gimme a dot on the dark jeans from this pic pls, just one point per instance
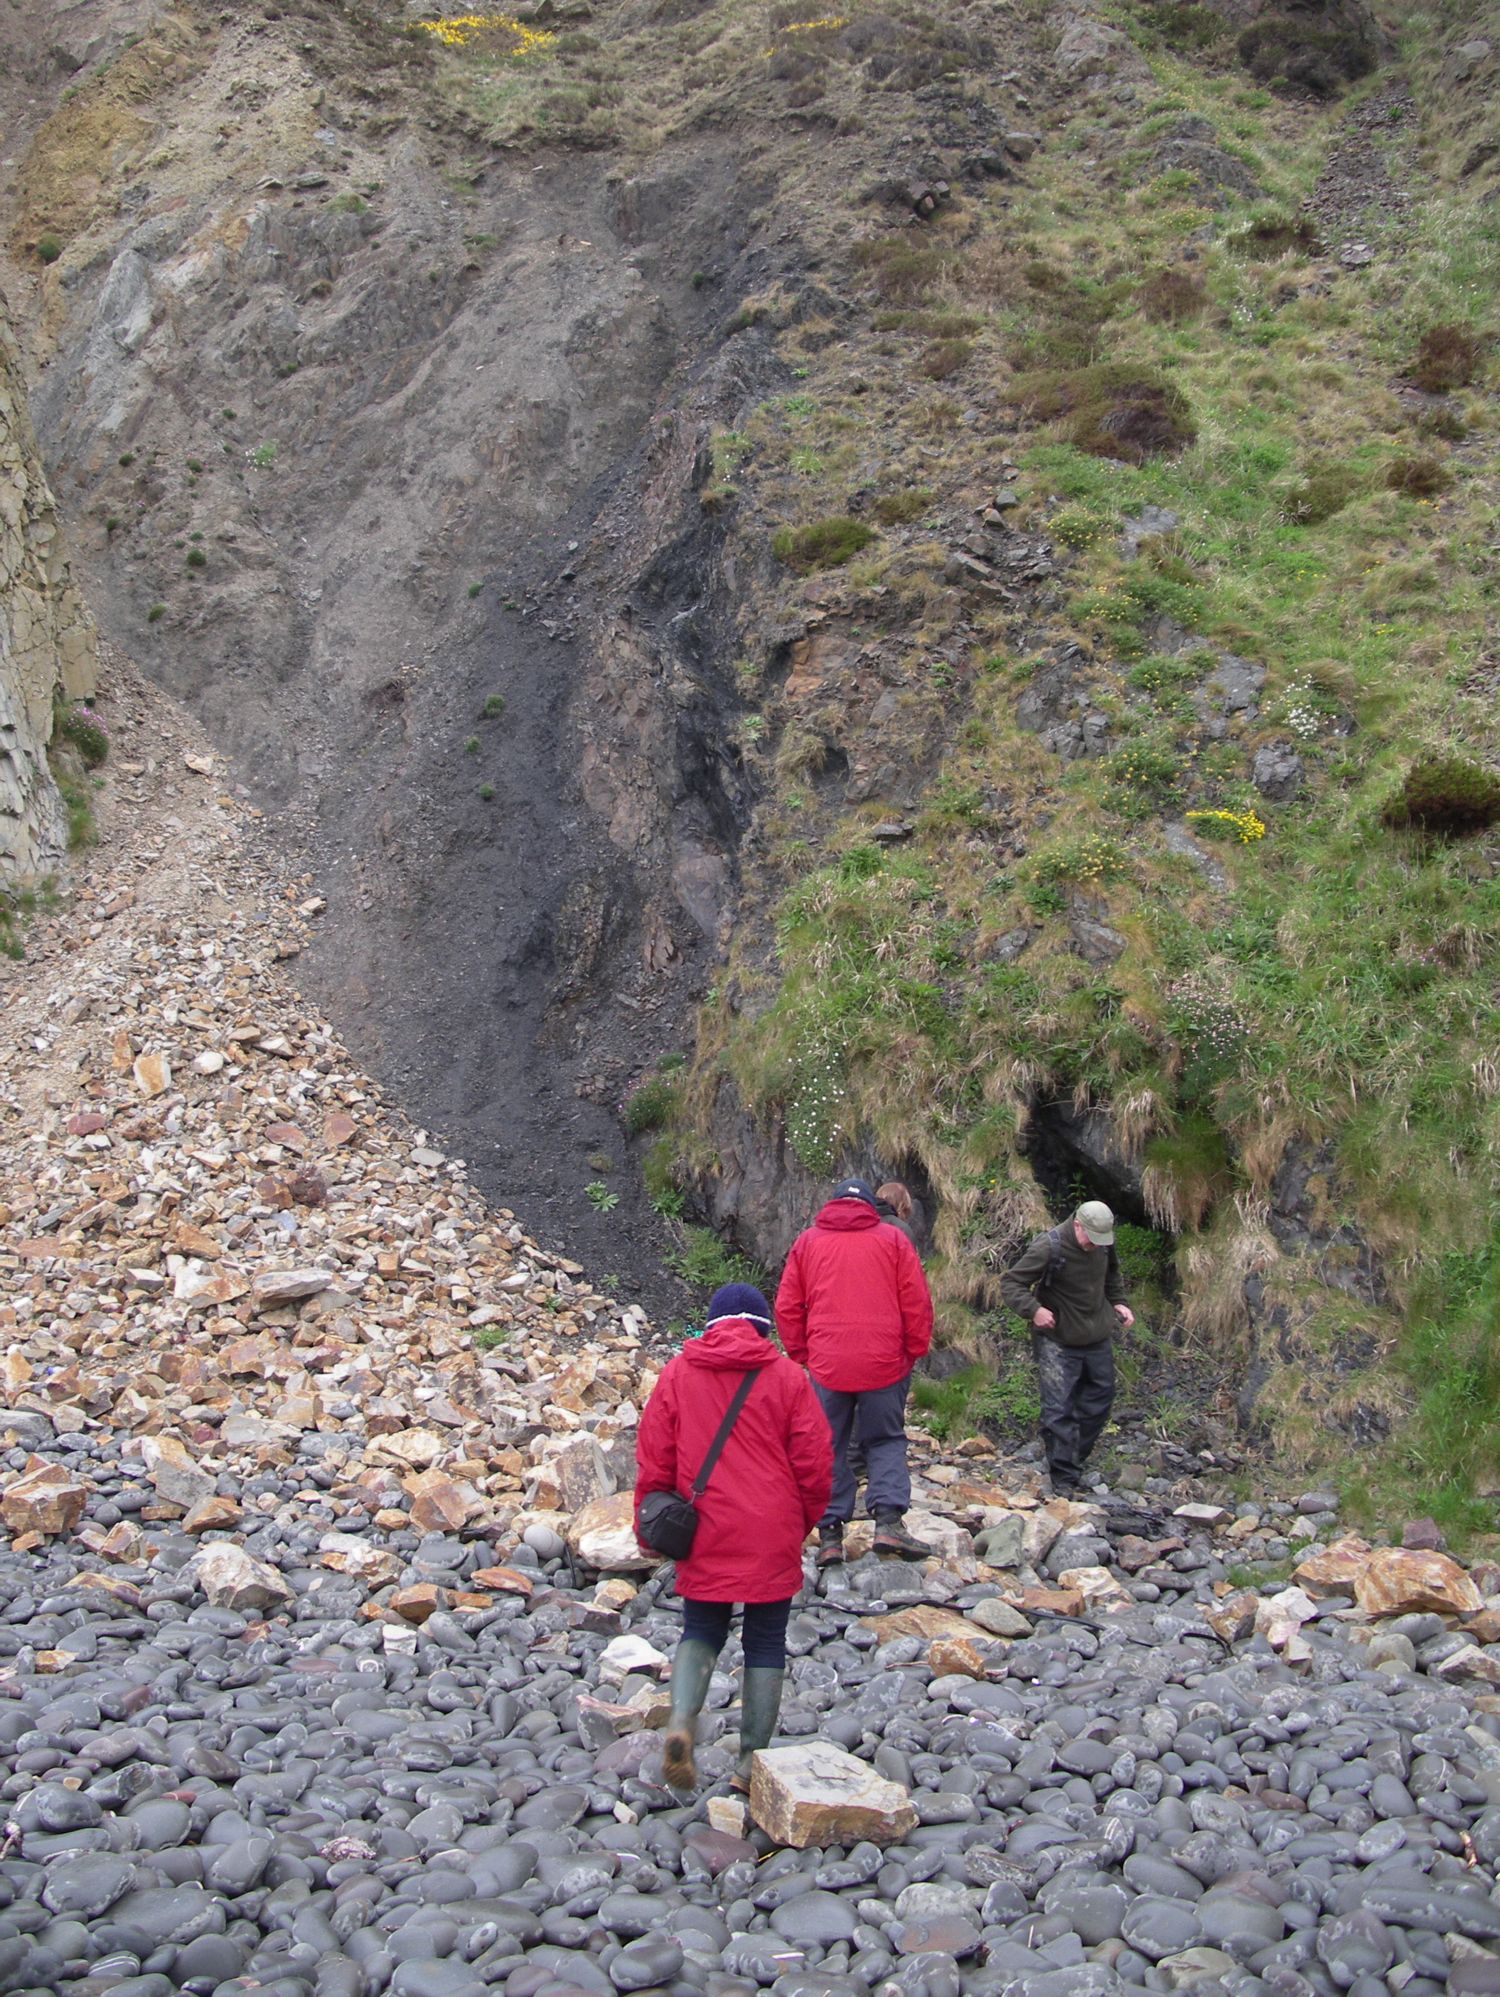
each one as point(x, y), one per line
point(764, 1634)
point(1077, 1385)
point(881, 1418)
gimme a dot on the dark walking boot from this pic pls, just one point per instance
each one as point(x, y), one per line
point(760, 1708)
point(830, 1546)
point(893, 1540)
point(692, 1667)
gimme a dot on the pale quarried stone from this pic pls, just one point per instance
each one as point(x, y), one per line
point(153, 1074)
point(1470, 1662)
point(1232, 1616)
point(45, 1498)
point(925, 1619)
point(349, 1553)
point(628, 1654)
point(570, 1474)
point(231, 1578)
point(1336, 1570)
point(1202, 1515)
point(947, 1540)
point(440, 1503)
point(1395, 1582)
point(416, 1448)
point(602, 1535)
point(957, 1657)
point(816, 1794)
point(176, 1474)
point(275, 1287)
point(1279, 1617)
point(1100, 1590)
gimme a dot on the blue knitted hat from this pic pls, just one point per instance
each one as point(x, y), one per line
point(740, 1300)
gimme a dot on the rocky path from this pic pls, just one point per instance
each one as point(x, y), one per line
point(328, 1666)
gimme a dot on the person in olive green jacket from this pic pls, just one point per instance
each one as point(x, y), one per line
point(1068, 1287)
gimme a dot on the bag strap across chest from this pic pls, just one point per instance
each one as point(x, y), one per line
point(716, 1447)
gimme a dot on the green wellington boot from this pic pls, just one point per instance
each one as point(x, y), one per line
point(692, 1667)
point(760, 1707)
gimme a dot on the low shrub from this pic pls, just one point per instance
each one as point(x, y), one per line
point(82, 727)
point(900, 273)
point(1419, 478)
point(1172, 297)
point(1183, 25)
point(1448, 357)
point(1115, 410)
point(1287, 50)
point(1445, 794)
point(823, 544)
point(48, 248)
point(1273, 236)
point(1320, 495)
point(650, 1106)
point(894, 509)
point(944, 357)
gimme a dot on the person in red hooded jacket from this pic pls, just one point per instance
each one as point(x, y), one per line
point(767, 1491)
point(854, 1308)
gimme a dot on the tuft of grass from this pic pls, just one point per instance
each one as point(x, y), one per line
point(48, 249)
point(1451, 795)
point(1447, 357)
point(705, 1263)
point(494, 703)
point(895, 509)
point(155, 614)
point(822, 544)
point(651, 1105)
point(195, 559)
point(1172, 297)
point(1111, 410)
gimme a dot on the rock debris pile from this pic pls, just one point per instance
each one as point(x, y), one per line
point(329, 1666)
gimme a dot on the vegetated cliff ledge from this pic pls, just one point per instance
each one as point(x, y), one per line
point(47, 647)
point(865, 500)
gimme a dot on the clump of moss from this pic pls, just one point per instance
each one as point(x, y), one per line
point(1172, 297)
point(1448, 357)
point(1115, 410)
point(823, 544)
point(1445, 794)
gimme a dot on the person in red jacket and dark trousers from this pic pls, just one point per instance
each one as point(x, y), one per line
point(854, 1308)
point(767, 1491)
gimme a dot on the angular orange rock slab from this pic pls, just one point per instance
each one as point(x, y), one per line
point(1396, 1582)
point(1337, 1569)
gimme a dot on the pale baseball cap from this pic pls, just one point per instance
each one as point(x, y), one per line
point(1097, 1222)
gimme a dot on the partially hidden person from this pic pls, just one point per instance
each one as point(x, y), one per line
point(853, 1307)
point(893, 1202)
point(766, 1492)
point(1068, 1286)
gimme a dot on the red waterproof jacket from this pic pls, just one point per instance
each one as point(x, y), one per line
point(772, 1483)
point(854, 1306)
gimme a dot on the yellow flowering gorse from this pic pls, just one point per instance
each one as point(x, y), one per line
point(1247, 826)
point(456, 31)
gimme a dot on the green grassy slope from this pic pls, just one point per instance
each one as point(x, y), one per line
point(1338, 993)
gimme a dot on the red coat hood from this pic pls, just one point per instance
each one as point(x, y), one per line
point(845, 1215)
point(733, 1345)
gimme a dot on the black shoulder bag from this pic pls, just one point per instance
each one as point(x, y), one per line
point(669, 1523)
